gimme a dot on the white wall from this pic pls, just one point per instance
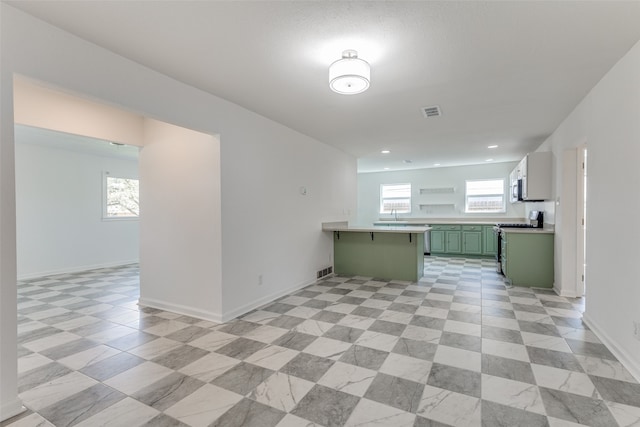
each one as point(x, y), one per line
point(369, 191)
point(267, 227)
point(607, 121)
point(180, 228)
point(10, 404)
point(59, 200)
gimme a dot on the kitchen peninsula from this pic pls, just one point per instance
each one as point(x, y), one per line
point(385, 252)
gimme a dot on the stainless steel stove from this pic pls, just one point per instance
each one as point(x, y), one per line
point(536, 219)
point(514, 225)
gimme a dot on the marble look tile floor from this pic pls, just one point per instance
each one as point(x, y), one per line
point(457, 348)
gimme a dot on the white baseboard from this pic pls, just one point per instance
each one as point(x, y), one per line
point(11, 409)
point(210, 316)
point(565, 293)
point(76, 269)
point(262, 301)
point(632, 365)
point(225, 317)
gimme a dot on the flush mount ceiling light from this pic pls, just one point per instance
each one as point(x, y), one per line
point(349, 75)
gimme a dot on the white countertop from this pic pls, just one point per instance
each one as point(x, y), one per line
point(460, 221)
point(344, 226)
point(544, 230)
point(405, 227)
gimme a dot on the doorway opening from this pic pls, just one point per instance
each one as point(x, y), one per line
point(70, 216)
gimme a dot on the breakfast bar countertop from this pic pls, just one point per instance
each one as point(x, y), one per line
point(447, 221)
point(345, 226)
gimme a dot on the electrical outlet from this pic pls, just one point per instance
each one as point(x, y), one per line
point(636, 330)
point(259, 279)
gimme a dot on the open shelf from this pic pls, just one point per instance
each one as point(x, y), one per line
point(438, 190)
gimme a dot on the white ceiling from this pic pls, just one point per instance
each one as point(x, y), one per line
point(503, 73)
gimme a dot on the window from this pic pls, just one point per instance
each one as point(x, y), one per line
point(396, 198)
point(121, 197)
point(485, 196)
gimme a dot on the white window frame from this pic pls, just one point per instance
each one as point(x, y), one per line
point(503, 194)
point(383, 199)
point(105, 212)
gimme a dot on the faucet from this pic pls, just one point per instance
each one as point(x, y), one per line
point(394, 212)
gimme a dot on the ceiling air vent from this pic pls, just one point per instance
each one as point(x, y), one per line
point(429, 112)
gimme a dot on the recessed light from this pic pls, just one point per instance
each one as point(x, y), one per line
point(492, 146)
point(436, 164)
point(385, 151)
point(489, 160)
point(386, 169)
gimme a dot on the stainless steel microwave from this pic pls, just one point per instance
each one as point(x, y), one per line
point(516, 190)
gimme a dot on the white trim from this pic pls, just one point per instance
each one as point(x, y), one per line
point(210, 316)
point(581, 231)
point(105, 214)
point(623, 357)
point(121, 218)
point(503, 195)
point(382, 199)
point(266, 299)
point(11, 409)
point(76, 269)
point(565, 293)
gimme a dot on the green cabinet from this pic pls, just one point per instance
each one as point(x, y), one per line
point(467, 240)
point(489, 240)
point(453, 241)
point(503, 255)
point(397, 256)
point(527, 258)
point(437, 241)
point(446, 239)
point(472, 242)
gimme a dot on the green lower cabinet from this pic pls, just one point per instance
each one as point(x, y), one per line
point(489, 241)
point(446, 239)
point(472, 242)
point(453, 240)
point(527, 259)
point(503, 256)
point(437, 241)
point(397, 256)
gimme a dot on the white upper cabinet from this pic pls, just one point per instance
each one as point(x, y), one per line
point(532, 178)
